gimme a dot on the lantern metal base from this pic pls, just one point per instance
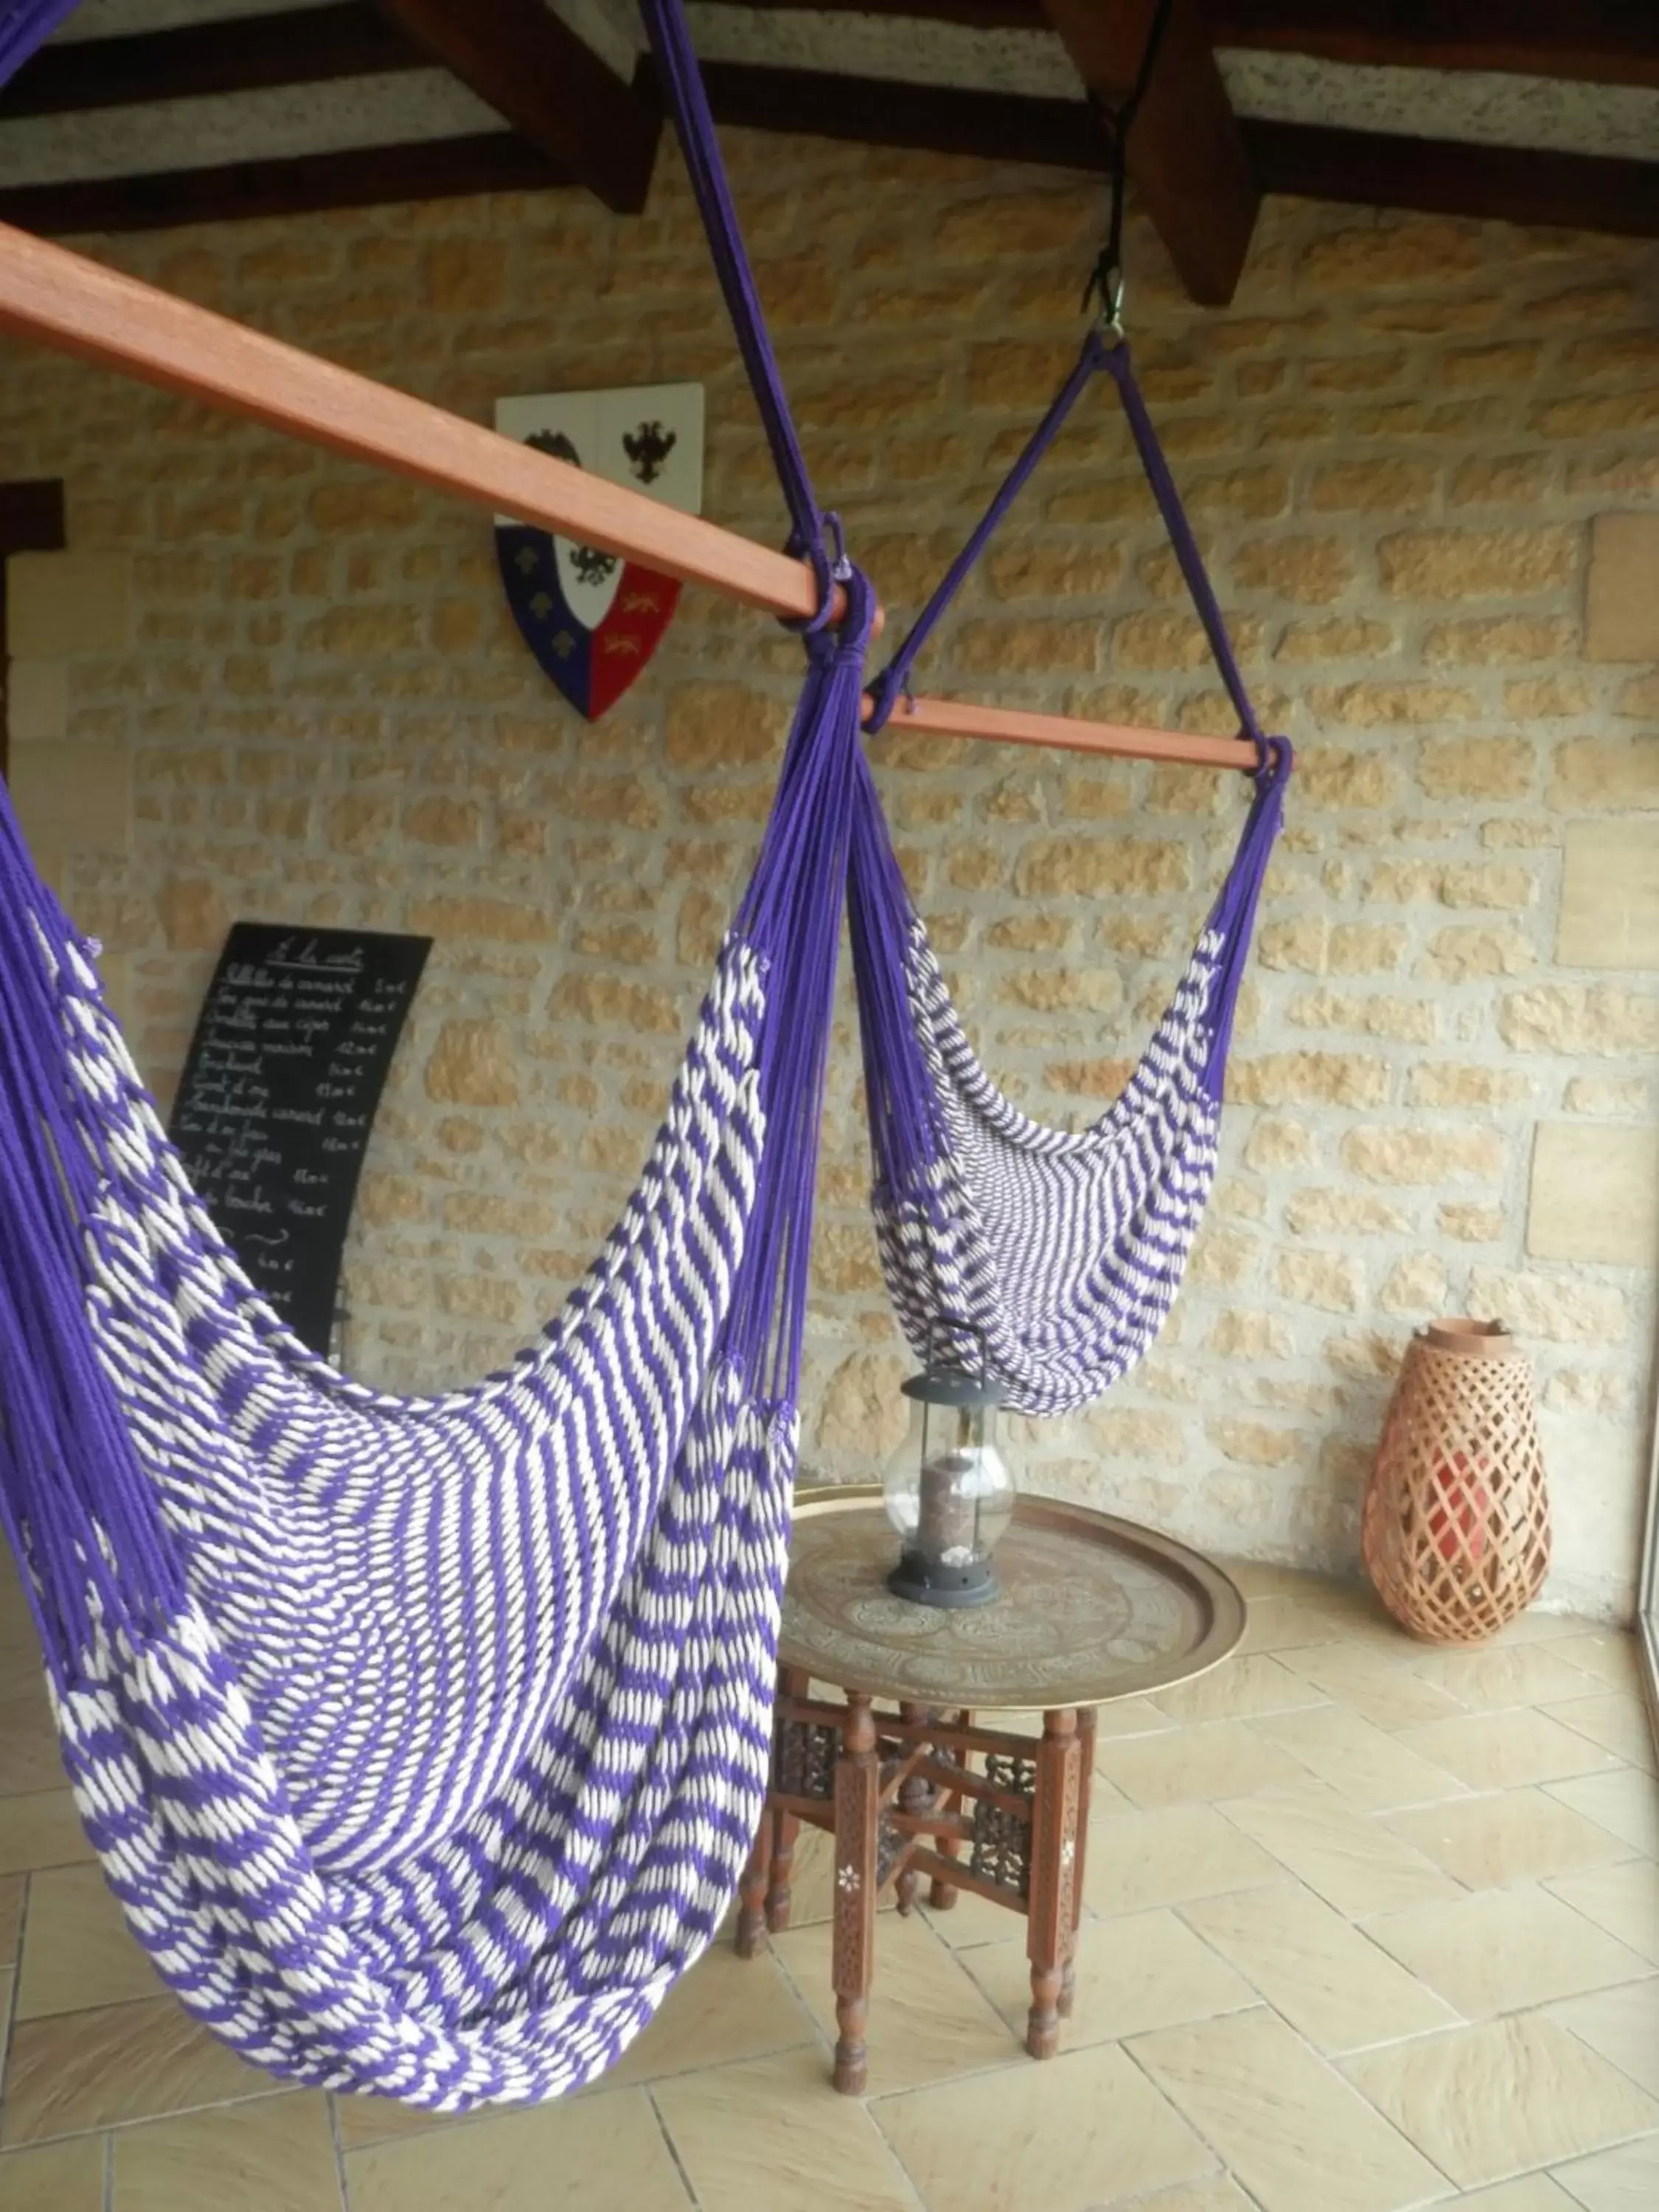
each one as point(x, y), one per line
point(925, 1583)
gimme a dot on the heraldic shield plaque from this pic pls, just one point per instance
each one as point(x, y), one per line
point(592, 618)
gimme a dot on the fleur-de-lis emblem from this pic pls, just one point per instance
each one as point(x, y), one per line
point(564, 645)
point(541, 606)
point(524, 560)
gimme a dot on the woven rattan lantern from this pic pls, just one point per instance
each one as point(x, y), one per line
point(1456, 1528)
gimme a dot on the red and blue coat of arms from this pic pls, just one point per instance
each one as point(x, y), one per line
point(593, 619)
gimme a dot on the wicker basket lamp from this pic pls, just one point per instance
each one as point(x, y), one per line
point(1456, 1528)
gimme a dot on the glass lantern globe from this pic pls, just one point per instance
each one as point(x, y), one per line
point(949, 1491)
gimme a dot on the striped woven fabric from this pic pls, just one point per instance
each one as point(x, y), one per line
point(1051, 1257)
point(422, 1741)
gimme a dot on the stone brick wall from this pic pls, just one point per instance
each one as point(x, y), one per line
point(1425, 457)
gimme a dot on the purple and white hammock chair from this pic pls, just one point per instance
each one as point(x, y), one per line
point(423, 1740)
point(1047, 1258)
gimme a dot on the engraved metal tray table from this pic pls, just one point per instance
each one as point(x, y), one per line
point(1092, 1609)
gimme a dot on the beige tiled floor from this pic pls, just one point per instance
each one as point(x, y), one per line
point(1369, 1927)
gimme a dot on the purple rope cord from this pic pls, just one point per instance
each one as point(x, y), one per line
point(677, 60)
point(1114, 357)
point(25, 26)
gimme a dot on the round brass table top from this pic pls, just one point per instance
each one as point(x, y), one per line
point(1091, 1609)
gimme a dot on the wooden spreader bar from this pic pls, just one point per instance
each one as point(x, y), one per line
point(102, 315)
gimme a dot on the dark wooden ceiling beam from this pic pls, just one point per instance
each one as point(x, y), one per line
point(1358, 168)
point(1594, 41)
point(248, 55)
point(1435, 176)
point(537, 74)
point(375, 176)
point(996, 126)
point(1186, 159)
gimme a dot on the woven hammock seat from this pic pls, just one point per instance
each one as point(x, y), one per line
point(1048, 1257)
point(423, 1740)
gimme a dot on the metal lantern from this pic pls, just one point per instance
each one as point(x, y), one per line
point(949, 1493)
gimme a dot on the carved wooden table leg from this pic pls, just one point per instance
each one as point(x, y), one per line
point(1086, 1738)
point(942, 1894)
point(915, 1796)
point(1053, 1870)
point(785, 1828)
point(751, 1890)
point(858, 1788)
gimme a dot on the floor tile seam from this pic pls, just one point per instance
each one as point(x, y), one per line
point(1331, 2066)
point(337, 2139)
point(1359, 1812)
point(1310, 1705)
point(1552, 2013)
point(99, 2004)
point(1597, 2057)
point(1637, 1766)
point(1552, 1788)
point(1384, 2043)
point(114, 2128)
point(1459, 1787)
point(9, 2025)
point(649, 2089)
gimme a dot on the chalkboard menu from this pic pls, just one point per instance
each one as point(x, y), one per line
point(278, 1097)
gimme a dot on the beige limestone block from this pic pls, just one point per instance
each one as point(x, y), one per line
point(863, 1410)
point(62, 603)
point(472, 1064)
point(1595, 1194)
point(74, 798)
point(1610, 895)
point(1435, 565)
point(37, 701)
point(1607, 773)
point(1621, 604)
point(1561, 1308)
point(1578, 1020)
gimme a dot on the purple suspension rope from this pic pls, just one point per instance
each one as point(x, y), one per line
point(1100, 352)
point(677, 60)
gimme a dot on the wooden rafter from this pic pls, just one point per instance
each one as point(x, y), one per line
point(538, 75)
point(1594, 41)
point(299, 184)
point(1187, 156)
point(1506, 183)
point(247, 55)
point(996, 126)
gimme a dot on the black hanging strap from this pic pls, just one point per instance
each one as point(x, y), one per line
point(1106, 281)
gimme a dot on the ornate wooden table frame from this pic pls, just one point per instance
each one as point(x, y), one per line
point(897, 1794)
point(907, 1782)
